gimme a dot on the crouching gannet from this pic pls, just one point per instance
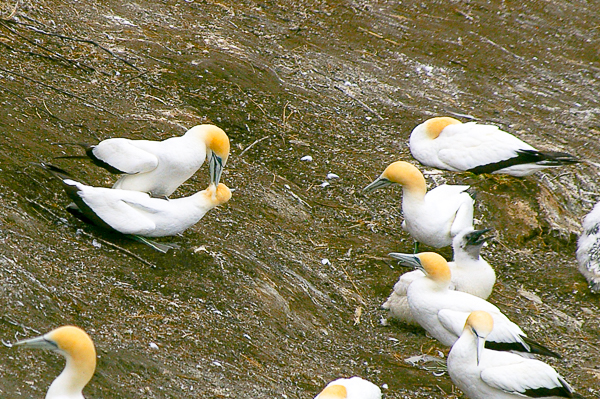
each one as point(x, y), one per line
point(136, 213)
point(432, 218)
point(443, 312)
point(159, 167)
point(446, 143)
point(350, 388)
point(470, 273)
point(486, 374)
point(77, 347)
point(588, 249)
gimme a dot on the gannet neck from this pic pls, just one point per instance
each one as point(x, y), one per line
point(436, 268)
point(334, 392)
point(79, 351)
point(432, 128)
point(407, 175)
point(215, 195)
point(215, 139)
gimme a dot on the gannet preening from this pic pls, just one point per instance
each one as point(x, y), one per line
point(350, 388)
point(470, 273)
point(77, 347)
point(443, 312)
point(447, 143)
point(486, 374)
point(432, 218)
point(588, 249)
point(159, 167)
point(136, 213)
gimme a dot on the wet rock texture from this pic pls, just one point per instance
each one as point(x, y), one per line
point(278, 292)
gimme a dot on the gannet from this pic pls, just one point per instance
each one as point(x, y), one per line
point(446, 143)
point(159, 167)
point(443, 312)
point(432, 218)
point(588, 249)
point(77, 347)
point(136, 213)
point(486, 374)
point(470, 273)
point(350, 388)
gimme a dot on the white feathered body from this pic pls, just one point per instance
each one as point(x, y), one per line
point(464, 146)
point(443, 313)
point(435, 219)
point(499, 375)
point(588, 249)
point(473, 276)
point(155, 167)
point(134, 212)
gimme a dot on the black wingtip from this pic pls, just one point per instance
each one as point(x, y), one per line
point(55, 170)
point(551, 158)
point(539, 349)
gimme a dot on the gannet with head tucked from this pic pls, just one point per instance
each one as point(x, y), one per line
point(470, 273)
point(77, 347)
point(432, 218)
point(486, 374)
point(350, 388)
point(160, 167)
point(447, 143)
point(588, 249)
point(443, 312)
point(136, 213)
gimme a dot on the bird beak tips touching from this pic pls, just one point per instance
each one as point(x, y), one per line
point(215, 165)
point(377, 183)
point(407, 260)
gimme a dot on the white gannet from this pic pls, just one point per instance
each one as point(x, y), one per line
point(159, 167)
point(446, 143)
point(470, 273)
point(443, 312)
point(588, 249)
point(432, 218)
point(77, 347)
point(486, 374)
point(136, 213)
point(350, 388)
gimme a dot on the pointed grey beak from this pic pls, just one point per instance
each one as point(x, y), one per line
point(480, 347)
point(378, 183)
point(476, 237)
point(38, 342)
point(408, 260)
point(215, 167)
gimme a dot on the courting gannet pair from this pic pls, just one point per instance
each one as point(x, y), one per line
point(443, 312)
point(77, 347)
point(160, 167)
point(350, 388)
point(470, 273)
point(447, 143)
point(432, 218)
point(487, 374)
point(588, 249)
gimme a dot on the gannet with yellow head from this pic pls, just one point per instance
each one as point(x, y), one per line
point(77, 347)
point(160, 167)
point(447, 143)
point(487, 374)
point(443, 312)
point(470, 273)
point(350, 388)
point(432, 218)
point(136, 213)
